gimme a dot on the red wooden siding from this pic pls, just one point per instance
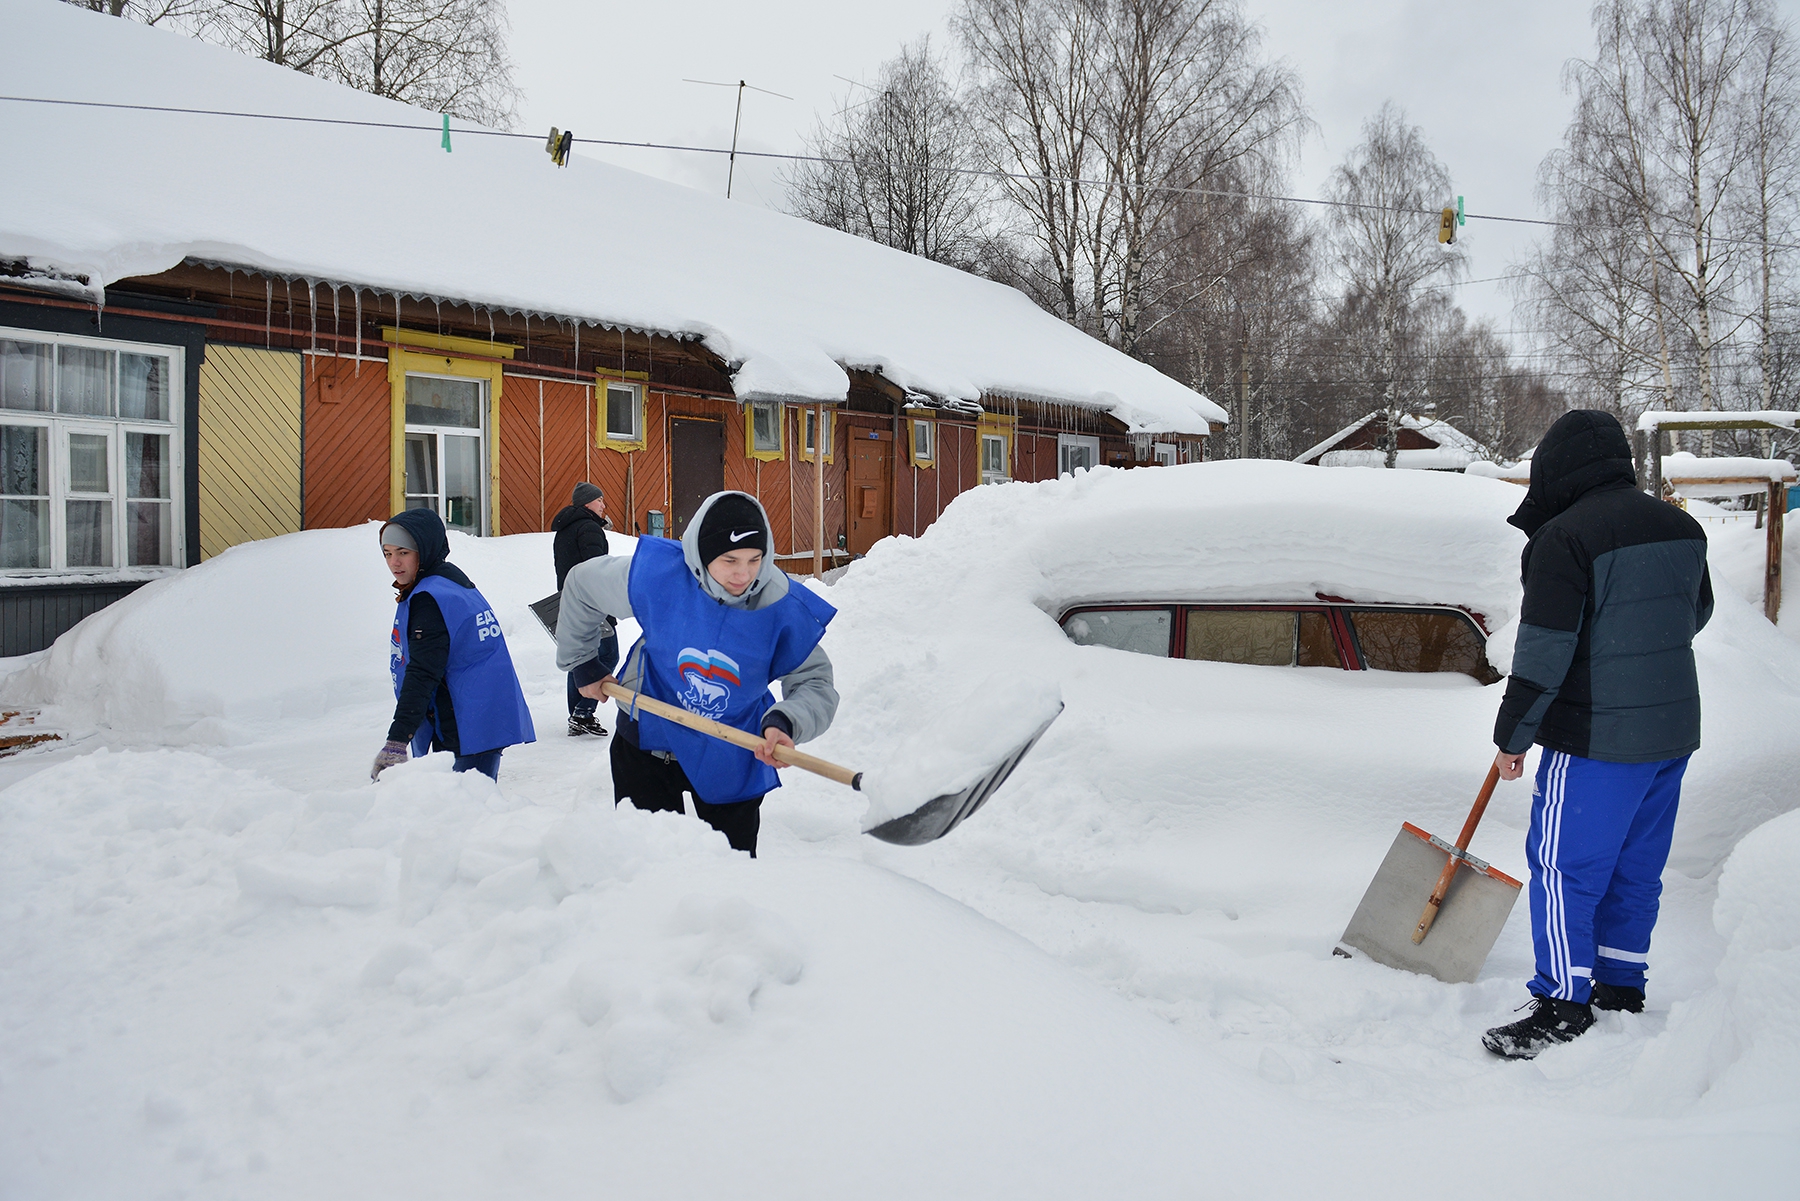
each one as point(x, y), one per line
point(348, 425)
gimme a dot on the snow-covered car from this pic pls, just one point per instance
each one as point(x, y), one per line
point(1332, 633)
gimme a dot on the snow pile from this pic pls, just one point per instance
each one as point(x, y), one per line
point(241, 969)
point(1738, 1045)
point(462, 993)
point(278, 630)
point(788, 304)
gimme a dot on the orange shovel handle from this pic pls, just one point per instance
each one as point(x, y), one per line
point(1436, 900)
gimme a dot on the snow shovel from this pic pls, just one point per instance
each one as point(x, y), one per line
point(1433, 907)
point(927, 823)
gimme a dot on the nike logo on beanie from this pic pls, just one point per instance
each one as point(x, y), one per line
point(744, 535)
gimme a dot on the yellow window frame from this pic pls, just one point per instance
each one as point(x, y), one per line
point(436, 354)
point(640, 381)
point(766, 456)
point(1005, 427)
point(912, 442)
point(827, 434)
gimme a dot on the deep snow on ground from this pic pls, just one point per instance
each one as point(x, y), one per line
point(236, 968)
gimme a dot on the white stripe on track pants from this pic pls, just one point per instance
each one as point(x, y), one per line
point(1599, 838)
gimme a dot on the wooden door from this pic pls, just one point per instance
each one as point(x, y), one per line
point(870, 490)
point(696, 467)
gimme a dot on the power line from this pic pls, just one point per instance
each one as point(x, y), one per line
point(1022, 177)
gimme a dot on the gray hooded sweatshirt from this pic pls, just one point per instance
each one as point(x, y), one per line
point(601, 586)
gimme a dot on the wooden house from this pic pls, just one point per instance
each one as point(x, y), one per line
point(1422, 444)
point(286, 325)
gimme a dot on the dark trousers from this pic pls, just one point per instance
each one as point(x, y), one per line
point(658, 784)
point(606, 660)
point(487, 763)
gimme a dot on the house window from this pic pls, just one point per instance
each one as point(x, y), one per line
point(445, 439)
point(624, 412)
point(994, 467)
point(1164, 454)
point(809, 434)
point(1076, 452)
point(924, 443)
point(89, 449)
point(764, 431)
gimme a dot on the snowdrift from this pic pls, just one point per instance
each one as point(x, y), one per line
point(280, 630)
point(239, 969)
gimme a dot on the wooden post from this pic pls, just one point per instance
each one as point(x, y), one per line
point(818, 491)
point(1656, 458)
point(1772, 565)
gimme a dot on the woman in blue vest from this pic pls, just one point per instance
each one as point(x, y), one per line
point(720, 622)
point(454, 685)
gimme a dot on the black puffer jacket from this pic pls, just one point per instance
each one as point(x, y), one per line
point(1616, 587)
point(580, 536)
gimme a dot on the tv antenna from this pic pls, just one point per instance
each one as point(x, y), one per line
point(737, 121)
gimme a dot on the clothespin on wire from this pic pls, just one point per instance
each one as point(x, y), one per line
point(559, 144)
point(446, 133)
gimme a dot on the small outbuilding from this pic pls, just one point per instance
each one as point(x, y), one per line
point(1423, 444)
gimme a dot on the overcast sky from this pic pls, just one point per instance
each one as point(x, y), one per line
point(1483, 80)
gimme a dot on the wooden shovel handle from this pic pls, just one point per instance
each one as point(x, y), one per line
point(820, 767)
point(1436, 900)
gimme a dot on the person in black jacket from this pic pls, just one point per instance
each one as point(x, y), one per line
point(1603, 678)
point(580, 529)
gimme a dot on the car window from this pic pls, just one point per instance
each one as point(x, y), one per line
point(1415, 640)
point(1317, 648)
point(1264, 637)
point(1145, 631)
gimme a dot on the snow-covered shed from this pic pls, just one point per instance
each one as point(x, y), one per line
point(237, 301)
point(1424, 444)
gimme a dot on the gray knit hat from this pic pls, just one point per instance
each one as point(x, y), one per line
point(585, 494)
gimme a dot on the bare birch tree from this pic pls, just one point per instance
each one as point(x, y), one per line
point(445, 55)
point(900, 166)
point(1386, 195)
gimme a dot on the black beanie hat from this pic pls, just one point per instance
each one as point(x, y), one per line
point(585, 494)
point(733, 522)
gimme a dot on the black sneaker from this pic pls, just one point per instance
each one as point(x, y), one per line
point(1552, 1021)
point(1618, 996)
point(579, 725)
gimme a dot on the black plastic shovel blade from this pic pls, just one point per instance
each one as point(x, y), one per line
point(942, 814)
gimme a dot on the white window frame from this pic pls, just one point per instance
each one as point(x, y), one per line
point(1077, 442)
point(809, 452)
point(637, 411)
point(1165, 454)
point(438, 433)
point(1005, 473)
point(59, 427)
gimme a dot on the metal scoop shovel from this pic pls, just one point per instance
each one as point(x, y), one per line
point(1464, 901)
point(927, 823)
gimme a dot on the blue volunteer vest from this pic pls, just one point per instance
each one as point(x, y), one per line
point(484, 689)
point(716, 660)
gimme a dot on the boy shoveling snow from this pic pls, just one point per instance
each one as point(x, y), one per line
point(721, 622)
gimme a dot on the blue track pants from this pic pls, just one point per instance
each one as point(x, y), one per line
point(1599, 838)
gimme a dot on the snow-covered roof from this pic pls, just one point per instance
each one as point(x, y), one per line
point(1436, 459)
point(1691, 475)
point(1455, 449)
point(1666, 419)
point(109, 194)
